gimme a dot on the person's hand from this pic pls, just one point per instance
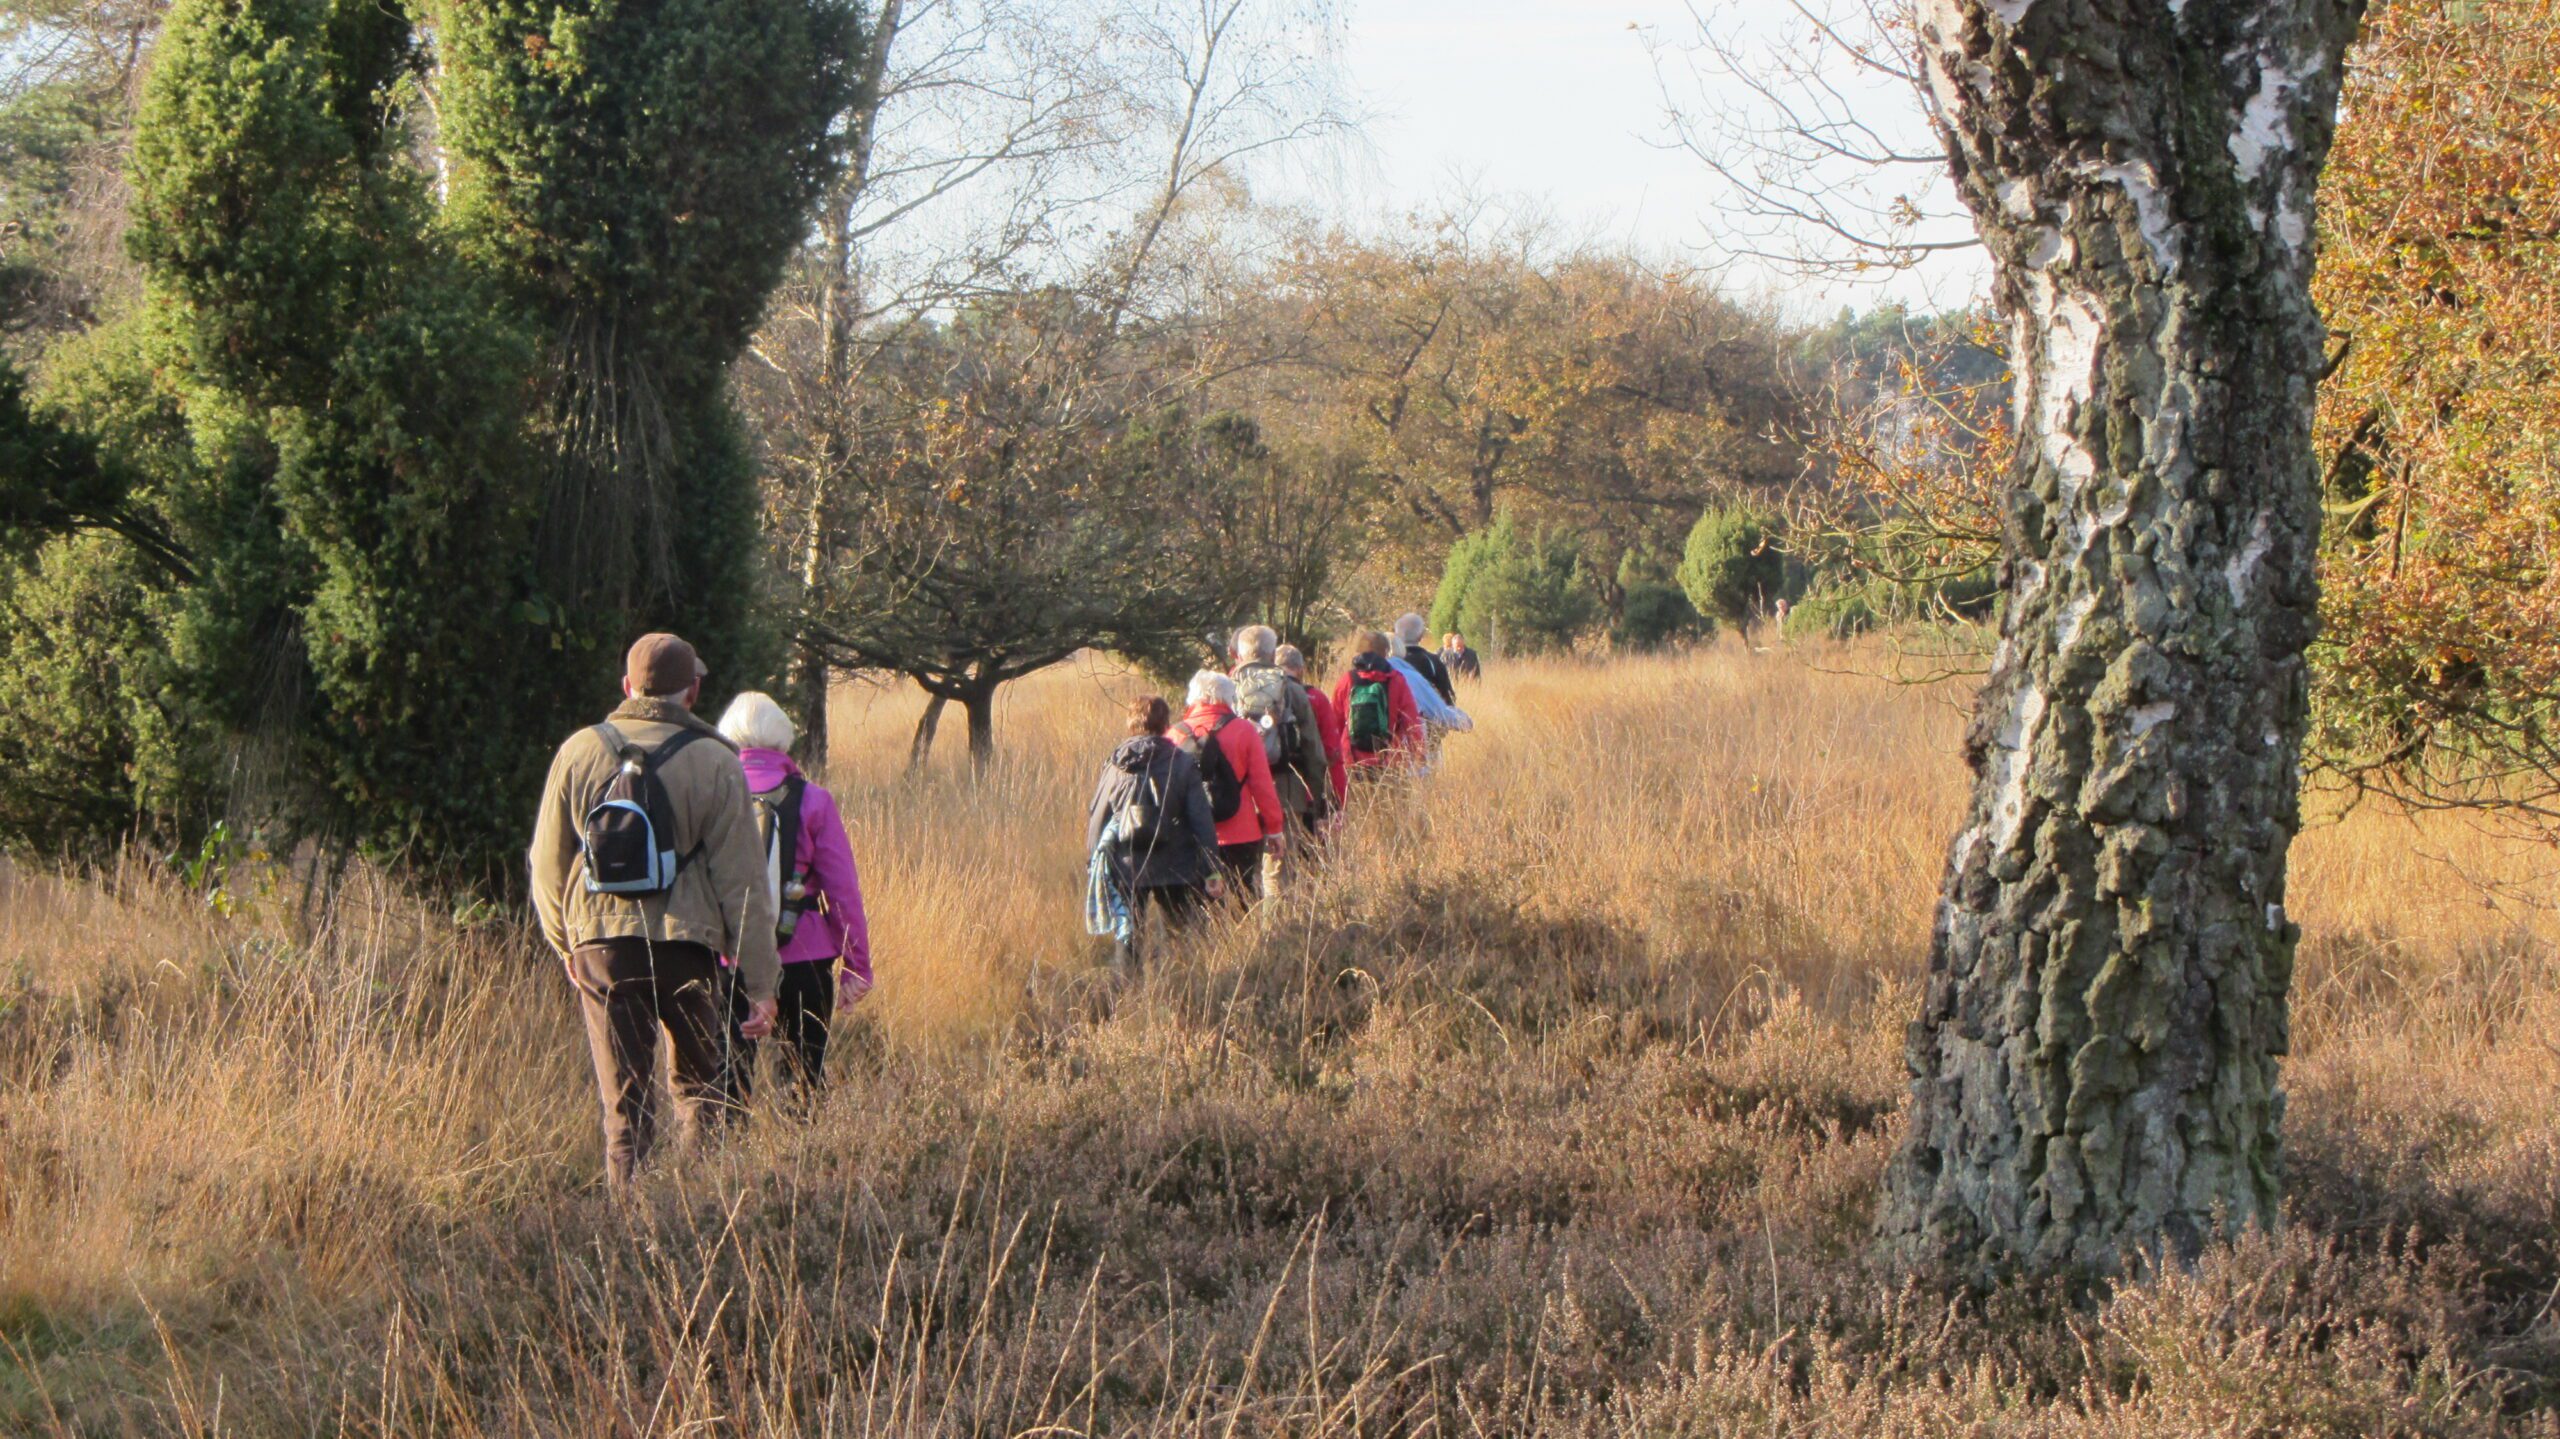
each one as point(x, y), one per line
point(1271, 843)
point(851, 986)
point(759, 1020)
point(1217, 887)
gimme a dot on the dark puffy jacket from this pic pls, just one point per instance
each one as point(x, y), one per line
point(1191, 855)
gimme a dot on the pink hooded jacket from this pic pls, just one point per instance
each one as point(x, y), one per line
point(826, 858)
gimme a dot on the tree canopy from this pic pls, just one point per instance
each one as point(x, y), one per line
point(336, 425)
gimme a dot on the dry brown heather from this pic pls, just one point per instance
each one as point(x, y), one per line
point(1557, 1107)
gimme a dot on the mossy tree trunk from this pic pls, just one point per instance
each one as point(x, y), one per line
point(2094, 1073)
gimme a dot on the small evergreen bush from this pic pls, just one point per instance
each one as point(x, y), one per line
point(1731, 569)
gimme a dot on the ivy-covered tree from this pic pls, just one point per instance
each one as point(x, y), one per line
point(331, 442)
point(637, 173)
point(352, 399)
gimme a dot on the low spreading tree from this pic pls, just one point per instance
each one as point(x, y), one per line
point(1018, 502)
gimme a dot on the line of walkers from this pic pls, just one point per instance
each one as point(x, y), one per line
point(695, 883)
point(1239, 794)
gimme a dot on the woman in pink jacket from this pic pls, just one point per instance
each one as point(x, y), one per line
point(821, 895)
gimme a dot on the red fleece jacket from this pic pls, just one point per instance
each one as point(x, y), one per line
point(1259, 817)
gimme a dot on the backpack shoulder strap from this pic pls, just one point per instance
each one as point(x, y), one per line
point(655, 760)
point(786, 821)
point(668, 747)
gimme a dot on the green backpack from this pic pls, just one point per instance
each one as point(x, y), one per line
point(1372, 718)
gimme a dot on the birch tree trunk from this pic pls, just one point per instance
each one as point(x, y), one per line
point(2094, 1073)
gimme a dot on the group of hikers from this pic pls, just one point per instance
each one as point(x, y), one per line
point(1240, 792)
point(697, 884)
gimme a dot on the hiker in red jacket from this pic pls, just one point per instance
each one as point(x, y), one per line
point(1242, 798)
point(1380, 720)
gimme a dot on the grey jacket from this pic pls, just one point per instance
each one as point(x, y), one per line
point(1189, 854)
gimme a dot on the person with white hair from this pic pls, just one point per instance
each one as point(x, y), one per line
point(822, 937)
point(1439, 714)
point(1409, 632)
point(1292, 740)
point(1242, 799)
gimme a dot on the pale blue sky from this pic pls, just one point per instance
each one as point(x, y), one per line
point(1551, 99)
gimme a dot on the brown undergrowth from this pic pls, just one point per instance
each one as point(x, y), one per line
point(1555, 1106)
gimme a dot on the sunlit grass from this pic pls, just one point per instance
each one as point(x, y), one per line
point(1555, 1105)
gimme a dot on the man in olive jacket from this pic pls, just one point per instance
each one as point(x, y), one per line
point(1302, 771)
point(650, 962)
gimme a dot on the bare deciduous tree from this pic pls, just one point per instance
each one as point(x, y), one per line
point(1006, 149)
point(1810, 116)
point(70, 76)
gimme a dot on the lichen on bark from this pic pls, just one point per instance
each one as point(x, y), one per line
point(2094, 1072)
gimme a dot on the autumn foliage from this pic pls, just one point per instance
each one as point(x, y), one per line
point(2437, 677)
point(2440, 428)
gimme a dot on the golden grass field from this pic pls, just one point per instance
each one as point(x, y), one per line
point(1556, 1106)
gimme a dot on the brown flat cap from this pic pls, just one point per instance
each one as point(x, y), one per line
point(661, 664)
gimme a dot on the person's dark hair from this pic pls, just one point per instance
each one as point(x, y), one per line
point(1150, 715)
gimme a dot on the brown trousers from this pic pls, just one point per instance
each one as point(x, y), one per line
point(630, 990)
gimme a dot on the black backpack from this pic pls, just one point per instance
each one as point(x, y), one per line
point(629, 835)
point(1226, 787)
point(778, 825)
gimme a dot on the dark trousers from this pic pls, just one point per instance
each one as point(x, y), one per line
point(1179, 905)
point(1243, 863)
point(629, 991)
point(803, 1007)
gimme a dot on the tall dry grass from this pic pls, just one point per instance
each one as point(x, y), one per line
point(1556, 1105)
